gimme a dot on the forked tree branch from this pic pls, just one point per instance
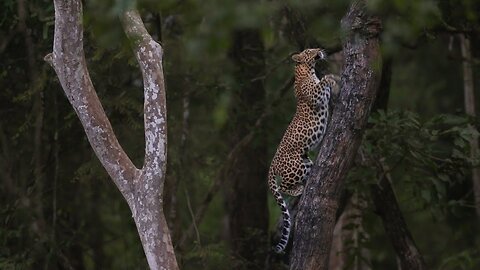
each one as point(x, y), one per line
point(142, 188)
point(68, 60)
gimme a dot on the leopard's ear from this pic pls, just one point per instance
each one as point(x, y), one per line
point(297, 58)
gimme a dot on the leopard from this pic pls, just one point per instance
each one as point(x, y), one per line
point(291, 163)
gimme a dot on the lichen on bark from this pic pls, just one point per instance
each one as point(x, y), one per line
point(141, 188)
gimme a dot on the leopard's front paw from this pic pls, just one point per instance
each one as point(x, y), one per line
point(334, 81)
point(333, 77)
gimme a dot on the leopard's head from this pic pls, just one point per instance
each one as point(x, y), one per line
point(309, 56)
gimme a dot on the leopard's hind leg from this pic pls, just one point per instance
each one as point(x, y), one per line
point(293, 178)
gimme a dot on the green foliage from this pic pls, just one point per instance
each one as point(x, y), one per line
point(8, 11)
point(10, 237)
point(430, 154)
point(405, 19)
point(426, 159)
point(84, 220)
point(467, 259)
point(213, 256)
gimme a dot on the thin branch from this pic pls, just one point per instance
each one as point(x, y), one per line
point(190, 210)
point(149, 55)
point(148, 206)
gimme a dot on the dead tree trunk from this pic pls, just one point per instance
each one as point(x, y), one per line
point(141, 188)
point(319, 203)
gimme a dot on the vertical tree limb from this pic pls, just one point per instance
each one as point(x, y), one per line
point(149, 56)
point(142, 188)
point(319, 203)
point(68, 61)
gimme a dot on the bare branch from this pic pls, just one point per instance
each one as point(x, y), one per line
point(190, 210)
point(142, 189)
point(149, 56)
point(147, 207)
point(68, 60)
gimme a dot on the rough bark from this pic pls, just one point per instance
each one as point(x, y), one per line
point(353, 212)
point(385, 202)
point(319, 203)
point(469, 100)
point(141, 188)
point(246, 194)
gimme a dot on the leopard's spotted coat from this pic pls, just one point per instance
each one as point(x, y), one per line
point(291, 163)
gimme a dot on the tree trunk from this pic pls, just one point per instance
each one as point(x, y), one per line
point(319, 203)
point(469, 97)
point(246, 198)
point(385, 203)
point(141, 188)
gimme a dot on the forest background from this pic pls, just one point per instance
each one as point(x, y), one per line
point(227, 65)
